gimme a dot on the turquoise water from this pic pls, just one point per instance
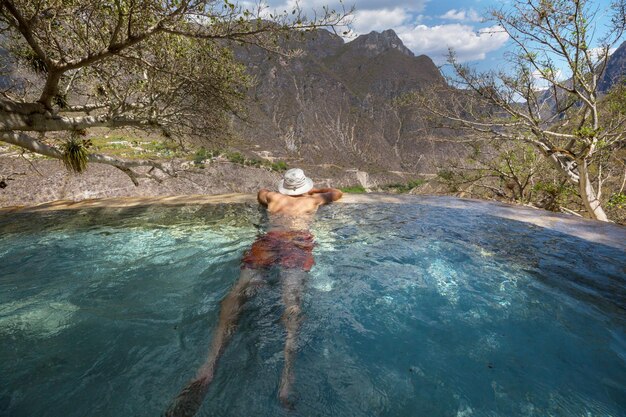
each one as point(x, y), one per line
point(410, 310)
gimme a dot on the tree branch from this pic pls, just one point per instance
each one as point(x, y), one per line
point(28, 120)
point(27, 142)
point(25, 29)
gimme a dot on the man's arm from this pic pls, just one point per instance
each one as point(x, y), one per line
point(328, 195)
point(262, 196)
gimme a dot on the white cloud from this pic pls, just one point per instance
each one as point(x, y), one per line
point(541, 83)
point(558, 75)
point(366, 21)
point(413, 6)
point(368, 15)
point(309, 8)
point(467, 43)
point(407, 21)
point(598, 53)
point(470, 15)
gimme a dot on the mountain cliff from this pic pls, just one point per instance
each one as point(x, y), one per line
point(615, 69)
point(340, 103)
point(614, 73)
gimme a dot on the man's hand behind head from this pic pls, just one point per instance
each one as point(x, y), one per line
point(327, 194)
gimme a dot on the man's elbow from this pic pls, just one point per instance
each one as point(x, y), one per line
point(337, 194)
point(262, 196)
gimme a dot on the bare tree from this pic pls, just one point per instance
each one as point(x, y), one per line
point(552, 40)
point(149, 64)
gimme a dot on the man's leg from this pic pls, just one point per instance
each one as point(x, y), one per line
point(188, 402)
point(292, 281)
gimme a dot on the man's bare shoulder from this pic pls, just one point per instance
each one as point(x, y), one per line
point(264, 196)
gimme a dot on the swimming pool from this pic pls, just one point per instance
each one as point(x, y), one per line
point(412, 309)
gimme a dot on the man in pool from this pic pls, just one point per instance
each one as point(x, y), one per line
point(287, 244)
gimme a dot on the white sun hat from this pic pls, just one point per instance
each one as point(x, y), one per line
point(294, 182)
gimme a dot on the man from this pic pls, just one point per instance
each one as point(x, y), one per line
point(287, 244)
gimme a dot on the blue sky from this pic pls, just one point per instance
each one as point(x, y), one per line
point(431, 26)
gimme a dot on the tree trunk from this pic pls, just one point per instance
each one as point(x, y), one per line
point(588, 194)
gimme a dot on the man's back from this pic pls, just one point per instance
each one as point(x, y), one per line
point(297, 206)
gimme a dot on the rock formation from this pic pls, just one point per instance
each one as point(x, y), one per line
point(615, 69)
point(341, 103)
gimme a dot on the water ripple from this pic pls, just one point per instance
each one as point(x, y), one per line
point(410, 310)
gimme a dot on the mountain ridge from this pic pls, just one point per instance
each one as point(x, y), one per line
point(615, 69)
point(614, 73)
point(338, 103)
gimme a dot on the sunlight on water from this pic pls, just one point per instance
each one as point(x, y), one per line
point(410, 310)
point(37, 317)
point(445, 278)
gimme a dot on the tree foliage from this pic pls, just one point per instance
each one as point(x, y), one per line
point(547, 95)
point(168, 65)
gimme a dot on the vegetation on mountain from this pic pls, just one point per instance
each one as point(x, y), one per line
point(395, 188)
point(582, 139)
point(513, 172)
point(150, 64)
point(339, 103)
point(202, 155)
point(353, 189)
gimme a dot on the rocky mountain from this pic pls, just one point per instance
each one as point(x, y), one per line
point(614, 73)
point(615, 69)
point(340, 104)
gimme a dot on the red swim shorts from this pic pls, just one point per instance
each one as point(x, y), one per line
point(287, 248)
